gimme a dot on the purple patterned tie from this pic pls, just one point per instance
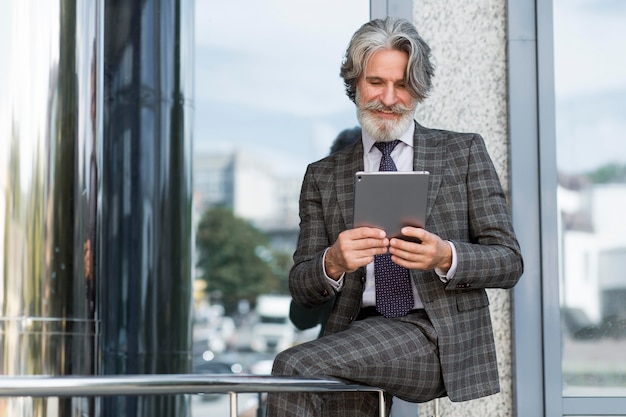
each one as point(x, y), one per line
point(394, 296)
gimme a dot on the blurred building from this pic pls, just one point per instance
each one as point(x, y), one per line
point(250, 186)
point(594, 248)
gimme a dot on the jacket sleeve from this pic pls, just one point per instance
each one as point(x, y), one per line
point(489, 255)
point(307, 282)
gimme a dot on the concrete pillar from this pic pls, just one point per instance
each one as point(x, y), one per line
point(468, 41)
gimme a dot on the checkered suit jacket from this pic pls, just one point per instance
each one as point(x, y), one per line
point(467, 206)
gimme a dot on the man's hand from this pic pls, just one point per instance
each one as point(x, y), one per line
point(353, 249)
point(432, 253)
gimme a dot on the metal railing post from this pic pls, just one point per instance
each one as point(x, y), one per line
point(259, 410)
point(233, 404)
point(382, 404)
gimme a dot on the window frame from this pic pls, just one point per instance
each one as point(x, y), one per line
point(536, 304)
point(379, 9)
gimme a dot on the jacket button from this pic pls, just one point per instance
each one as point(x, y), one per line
point(325, 293)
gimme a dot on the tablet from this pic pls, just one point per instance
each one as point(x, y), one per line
point(390, 200)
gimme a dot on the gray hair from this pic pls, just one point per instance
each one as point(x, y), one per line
point(390, 33)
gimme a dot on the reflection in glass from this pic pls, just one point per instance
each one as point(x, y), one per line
point(269, 100)
point(591, 160)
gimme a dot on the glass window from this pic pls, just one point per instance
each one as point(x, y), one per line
point(268, 101)
point(590, 84)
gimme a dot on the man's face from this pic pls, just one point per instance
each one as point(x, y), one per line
point(384, 106)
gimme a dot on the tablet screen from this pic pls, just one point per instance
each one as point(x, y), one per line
point(390, 200)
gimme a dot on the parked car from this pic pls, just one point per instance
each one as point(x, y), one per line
point(215, 367)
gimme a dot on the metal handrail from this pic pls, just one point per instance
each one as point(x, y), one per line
point(107, 385)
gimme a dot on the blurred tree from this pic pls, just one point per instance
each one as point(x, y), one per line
point(234, 258)
point(608, 174)
point(282, 263)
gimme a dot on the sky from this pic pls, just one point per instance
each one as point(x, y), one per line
point(590, 83)
point(589, 46)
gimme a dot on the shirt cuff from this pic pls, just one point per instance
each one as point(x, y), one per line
point(447, 276)
point(336, 284)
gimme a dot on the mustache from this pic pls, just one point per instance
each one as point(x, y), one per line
point(379, 106)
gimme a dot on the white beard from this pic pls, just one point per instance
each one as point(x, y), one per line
point(383, 130)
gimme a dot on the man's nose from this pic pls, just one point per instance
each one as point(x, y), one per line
point(389, 97)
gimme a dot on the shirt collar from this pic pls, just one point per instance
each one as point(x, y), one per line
point(406, 137)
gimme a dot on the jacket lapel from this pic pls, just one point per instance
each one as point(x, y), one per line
point(429, 156)
point(348, 163)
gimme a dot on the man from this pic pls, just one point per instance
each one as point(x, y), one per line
point(444, 345)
